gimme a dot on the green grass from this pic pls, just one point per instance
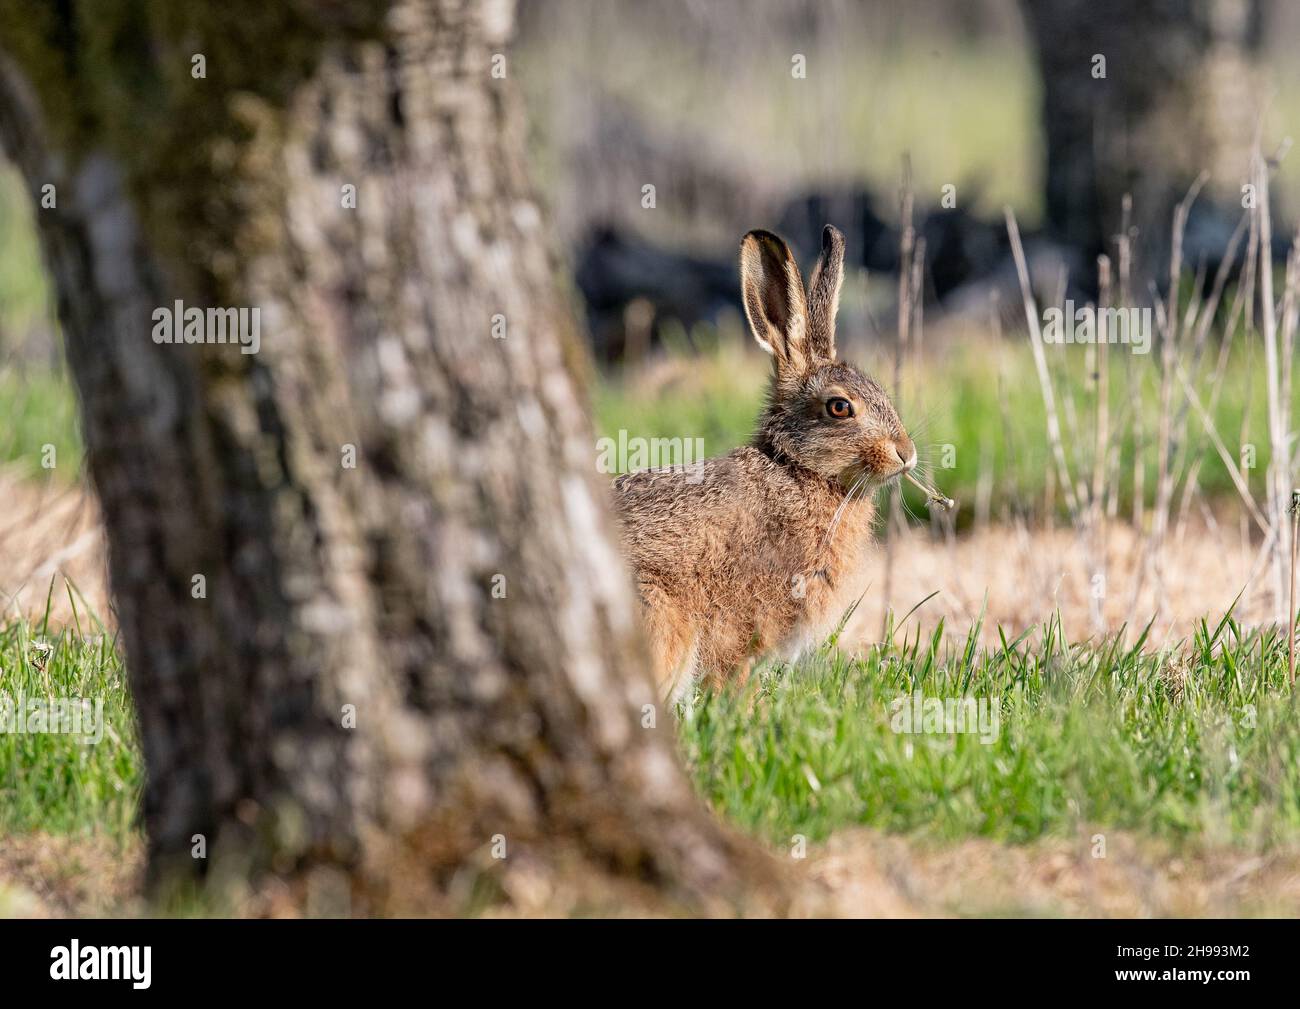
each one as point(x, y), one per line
point(1197, 745)
point(37, 404)
point(37, 409)
point(56, 782)
point(24, 287)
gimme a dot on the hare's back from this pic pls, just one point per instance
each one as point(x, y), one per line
point(720, 502)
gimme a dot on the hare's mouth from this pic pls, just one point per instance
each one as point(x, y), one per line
point(886, 463)
point(901, 468)
point(868, 477)
point(905, 465)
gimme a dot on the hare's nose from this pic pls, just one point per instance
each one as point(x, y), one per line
point(906, 452)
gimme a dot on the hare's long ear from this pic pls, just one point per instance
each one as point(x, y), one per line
point(824, 296)
point(774, 300)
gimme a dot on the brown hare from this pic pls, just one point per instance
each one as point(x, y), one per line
point(764, 549)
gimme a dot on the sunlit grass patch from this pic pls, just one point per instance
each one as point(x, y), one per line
point(39, 430)
point(1199, 743)
point(62, 782)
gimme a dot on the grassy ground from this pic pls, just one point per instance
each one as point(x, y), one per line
point(1200, 742)
point(59, 783)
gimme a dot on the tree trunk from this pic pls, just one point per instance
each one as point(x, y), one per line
point(455, 591)
point(1179, 96)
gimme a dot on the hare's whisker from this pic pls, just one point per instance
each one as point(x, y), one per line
point(839, 512)
point(854, 487)
point(908, 508)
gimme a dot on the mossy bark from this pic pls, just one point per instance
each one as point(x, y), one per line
point(457, 588)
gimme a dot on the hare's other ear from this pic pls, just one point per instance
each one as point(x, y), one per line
point(824, 295)
point(774, 300)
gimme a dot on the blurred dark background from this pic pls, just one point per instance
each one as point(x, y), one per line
point(790, 114)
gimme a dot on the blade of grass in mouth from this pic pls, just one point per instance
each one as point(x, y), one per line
point(932, 494)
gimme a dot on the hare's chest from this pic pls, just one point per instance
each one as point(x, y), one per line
point(830, 591)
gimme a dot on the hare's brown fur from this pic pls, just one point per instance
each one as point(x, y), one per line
point(764, 549)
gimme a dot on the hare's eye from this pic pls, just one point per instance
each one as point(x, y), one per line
point(839, 408)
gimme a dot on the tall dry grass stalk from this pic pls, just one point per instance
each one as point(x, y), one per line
point(1276, 478)
point(1040, 364)
point(907, 299)
point(1124, 249)
point(1100, 456)
point(1291, 613)
point(1169, 333)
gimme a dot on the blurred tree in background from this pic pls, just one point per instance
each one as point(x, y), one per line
point(1138, 99)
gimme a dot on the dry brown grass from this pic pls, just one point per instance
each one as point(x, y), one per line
point(857, 873)
point(879, 876)
point(1028, 574)
point(50, 531)
point(44, 876)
